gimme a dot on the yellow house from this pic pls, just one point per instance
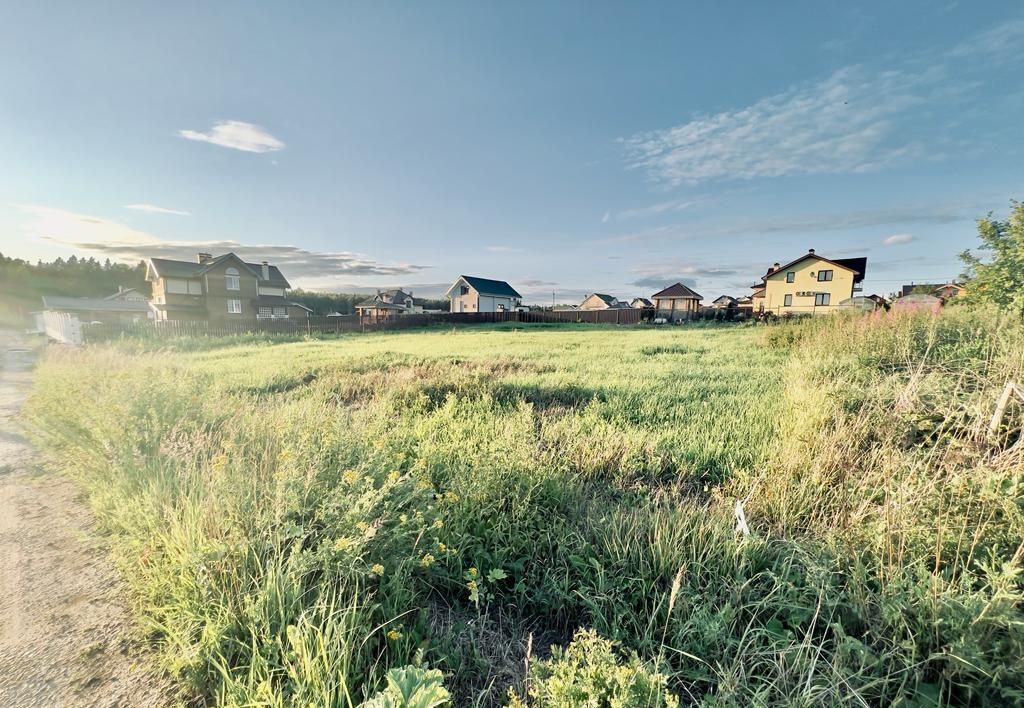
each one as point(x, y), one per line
point(809, 285)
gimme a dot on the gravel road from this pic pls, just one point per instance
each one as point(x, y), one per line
point(66, 636)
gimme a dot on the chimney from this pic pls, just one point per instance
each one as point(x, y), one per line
point(811, 251)
point(204, 257)
point(266, 270)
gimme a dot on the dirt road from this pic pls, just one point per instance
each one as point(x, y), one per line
point(66, 637)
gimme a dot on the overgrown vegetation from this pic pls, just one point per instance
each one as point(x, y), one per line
point(995, 273)
point(298, 519)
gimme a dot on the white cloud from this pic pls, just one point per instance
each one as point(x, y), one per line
point(153, 209)
point(607, 215)
point(503, 249)
point(896, 239)
point(846, 123)
point(236, 135)
point(1004, 40)
point(106, 238)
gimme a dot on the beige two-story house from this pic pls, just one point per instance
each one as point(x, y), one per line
point(809, 285)
point(218, 289)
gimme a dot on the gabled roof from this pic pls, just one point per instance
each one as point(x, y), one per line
point(727, 298)
point(387, 299)
point(609, 300)
point(856, 265)
point(677, 291)
point(486, 286)
point(92, 304)
point(167, 268)
point(644, 302)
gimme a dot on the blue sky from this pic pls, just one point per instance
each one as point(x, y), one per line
point(569, 147)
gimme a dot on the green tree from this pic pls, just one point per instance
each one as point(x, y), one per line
point(996, 273)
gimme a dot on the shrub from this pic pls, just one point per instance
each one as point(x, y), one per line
point(592, 672)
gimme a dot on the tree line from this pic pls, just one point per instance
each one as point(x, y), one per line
point(23, 284)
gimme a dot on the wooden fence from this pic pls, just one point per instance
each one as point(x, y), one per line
point(349, 323)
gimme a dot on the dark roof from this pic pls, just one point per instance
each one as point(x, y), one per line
point(857, 265)
point(93, 304)
point(606, 299)
point(730, 298)
point(167, 268)
point(387, 300)
point(486, 286)
point(931, 287)
point(679, 291)
point(292, 303)
point(642, 300)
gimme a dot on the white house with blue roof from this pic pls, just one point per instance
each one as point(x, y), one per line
point(472, 294)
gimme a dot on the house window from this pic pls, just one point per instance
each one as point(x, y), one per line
point(824, 276)
point(176, 286)
point(464, 290)
point(231, 279)
point(790, 276)
point(501, 307)
point(787, 301)
point(280, 312)
point(264, 312)
point(822, 298)
point(234, 307)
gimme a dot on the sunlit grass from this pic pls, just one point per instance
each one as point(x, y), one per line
point(297, 517)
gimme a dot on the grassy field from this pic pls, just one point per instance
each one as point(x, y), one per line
point(297, 519)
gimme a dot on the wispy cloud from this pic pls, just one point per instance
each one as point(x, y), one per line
point(107, 238)
point(605, 217)
point(153, 209)
point(857, 219)
point(663, 275)
point(665, 207)
point(897, 239)
point(236, 135)
point(945, 211)
point(845, 123)
point(503, 249)
point(1005, 40)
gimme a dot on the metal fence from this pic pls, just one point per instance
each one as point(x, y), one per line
point(348, 323)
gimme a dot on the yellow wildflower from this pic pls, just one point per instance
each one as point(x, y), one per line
point(377, 569)
point(438, 523)
point(343, 543)
point(349, 476)
point(441, 547)
point(473, 572)
point(394, 635)
point(403, 518)
point(362, 525)
point(452, 497)
point(471, 585)
point(427, 560)
point(393, 476)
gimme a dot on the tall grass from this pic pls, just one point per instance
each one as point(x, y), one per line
point(297, 518)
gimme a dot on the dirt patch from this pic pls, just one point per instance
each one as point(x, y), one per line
point(66, 637)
